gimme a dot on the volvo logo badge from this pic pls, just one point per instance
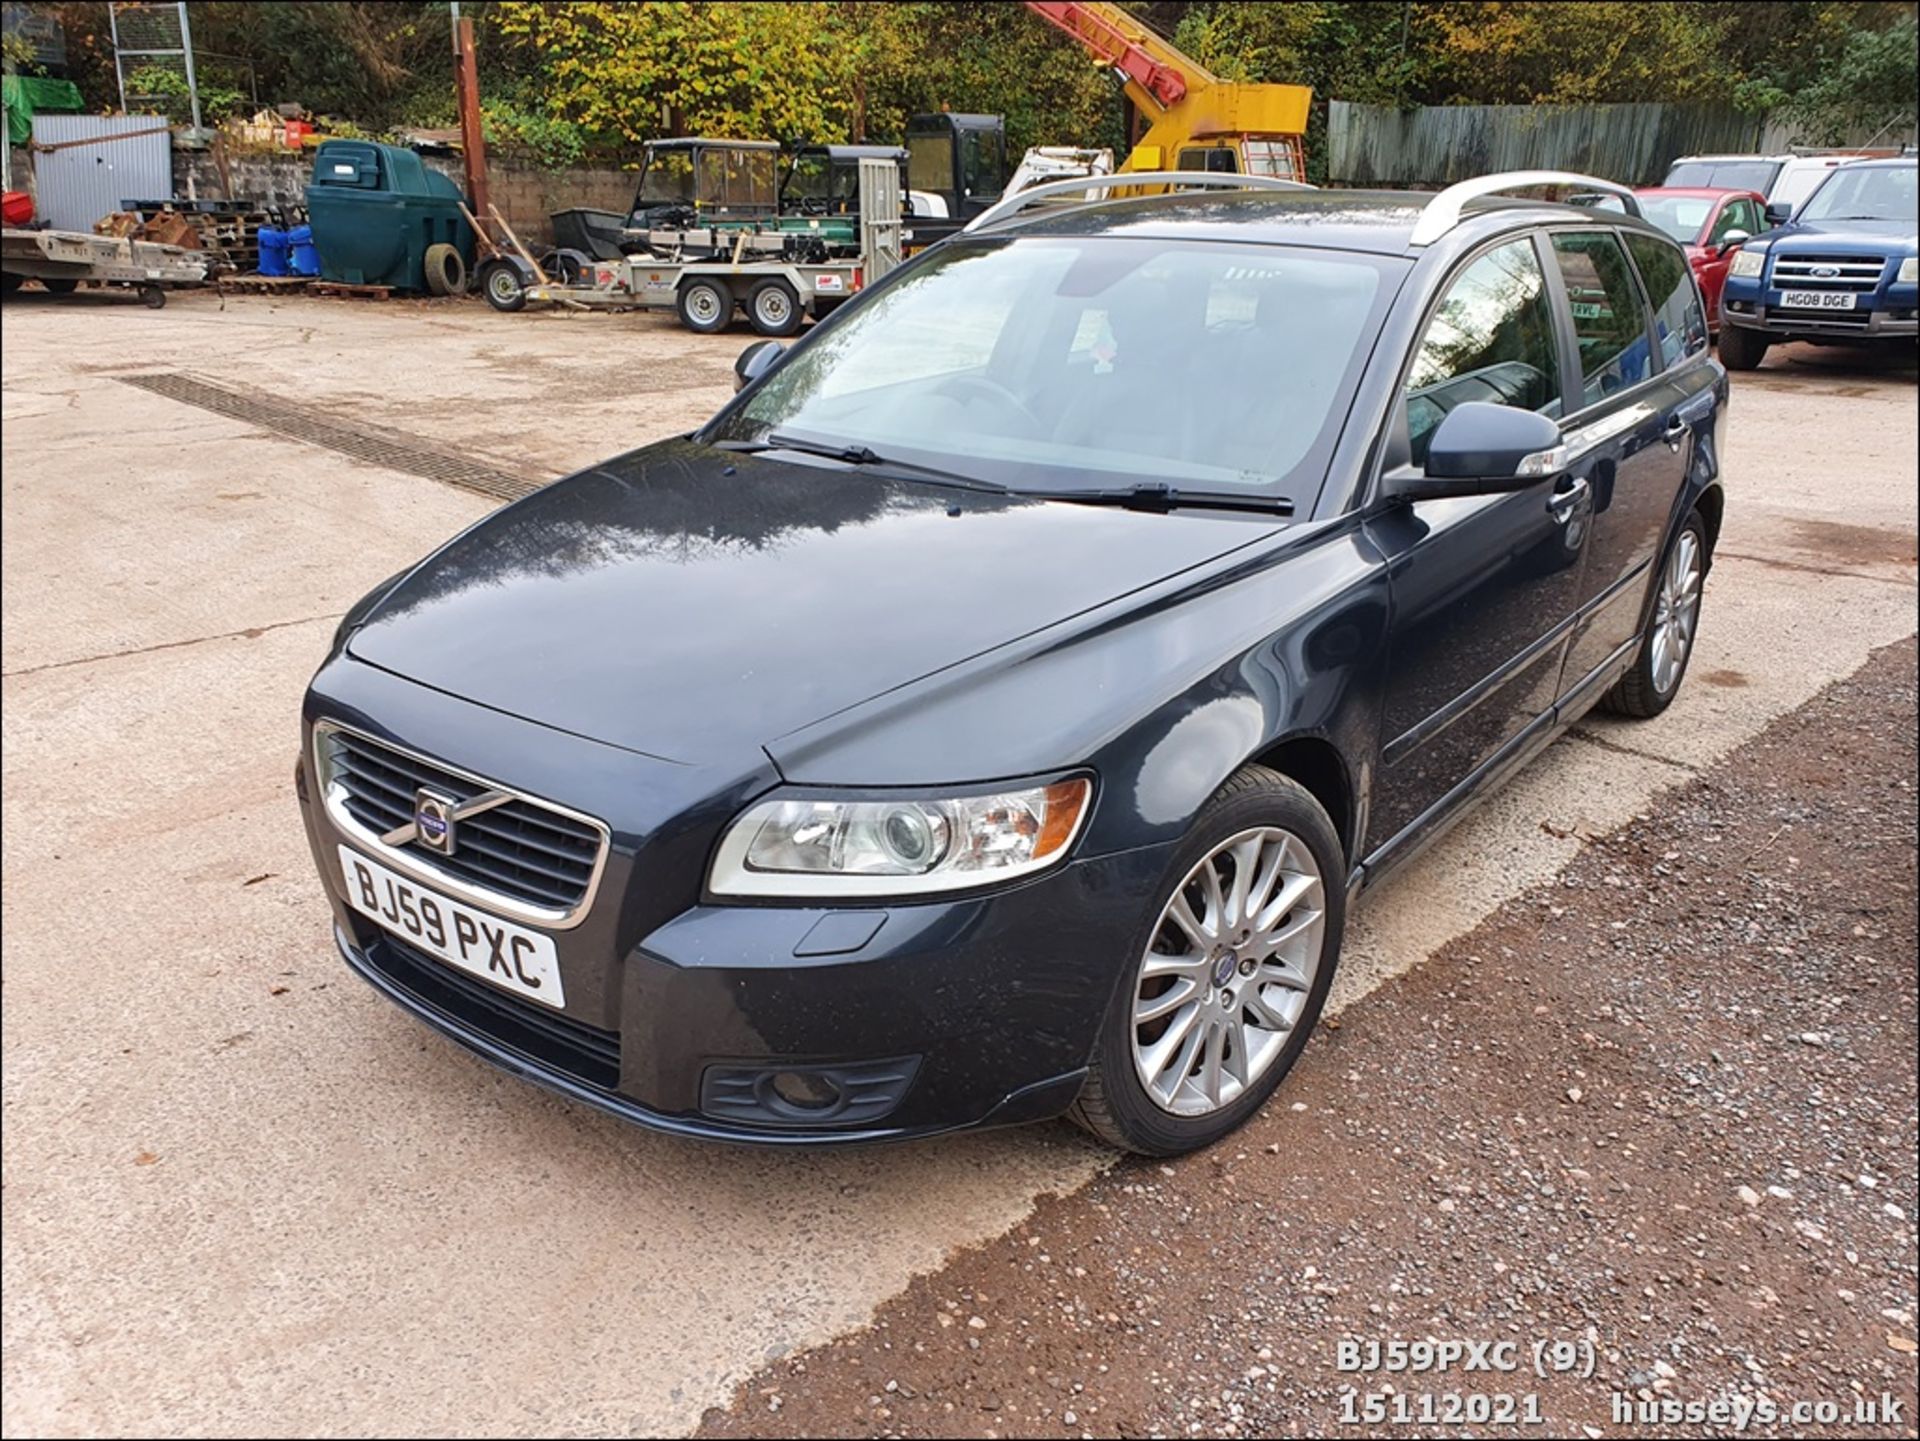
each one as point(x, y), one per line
point(1825, 272)
point(433, 817)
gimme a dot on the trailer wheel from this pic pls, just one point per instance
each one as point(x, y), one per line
point(151, 296)
point(60, 287)
point(705, 306)
point(446, 270)
point(501, 283)
point(774, 308)
point(9, 283)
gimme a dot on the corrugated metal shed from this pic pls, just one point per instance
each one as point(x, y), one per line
point(1439, 144)
point(78, 184)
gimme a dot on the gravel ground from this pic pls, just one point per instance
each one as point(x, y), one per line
point(1662, 1110)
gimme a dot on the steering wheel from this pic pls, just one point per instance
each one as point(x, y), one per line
point(960, 386)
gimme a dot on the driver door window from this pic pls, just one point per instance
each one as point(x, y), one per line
point(1733, 216)
point(1492, 338)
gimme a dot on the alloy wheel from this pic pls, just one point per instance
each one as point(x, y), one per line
point(1676, 611)
point(1228, 970)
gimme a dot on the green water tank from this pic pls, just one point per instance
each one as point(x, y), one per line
point(375, 209)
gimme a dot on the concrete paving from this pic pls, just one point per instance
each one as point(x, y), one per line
point(245, 1196)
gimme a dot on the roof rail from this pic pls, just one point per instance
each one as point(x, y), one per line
point(1444, 210)
point(1014, 204)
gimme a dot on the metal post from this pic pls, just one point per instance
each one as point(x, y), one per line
point(119, 71)
point(193, 85)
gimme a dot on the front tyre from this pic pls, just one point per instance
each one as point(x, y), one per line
point(1742, 349)
point(1225, 985)
point(1666, 645)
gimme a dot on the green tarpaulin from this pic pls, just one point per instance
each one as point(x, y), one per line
point(27, 94)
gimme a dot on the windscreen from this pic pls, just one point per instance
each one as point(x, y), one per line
point(1090, 363)
point(930, 163)
point(1681, 216)
point(668, 179)
point(1723, 175)
point(1865, 192)
point(808, 179)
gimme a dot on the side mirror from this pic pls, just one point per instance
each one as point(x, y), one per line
point(1485, 449)
point(755, 361)
point(1733, 240)
point(1779, 212)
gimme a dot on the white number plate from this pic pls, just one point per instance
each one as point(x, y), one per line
point(1816, 299)
point(512, 957)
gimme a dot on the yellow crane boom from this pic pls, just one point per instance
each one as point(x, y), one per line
point(1195, 120)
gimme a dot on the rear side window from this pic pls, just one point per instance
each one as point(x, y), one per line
point(1609, 322)
point(1491, 339)
point(1677, 317)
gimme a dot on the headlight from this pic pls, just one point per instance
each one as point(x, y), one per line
point(1748, 261)
point(904, 846)
point(1910, 270)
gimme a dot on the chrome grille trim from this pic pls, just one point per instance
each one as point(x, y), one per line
point(1857, 273)
point(512, 838)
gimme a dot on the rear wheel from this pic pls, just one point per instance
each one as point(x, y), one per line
point(1667, 644)
point(501, 283)
point(1226, 983)
point(153, 297)
point(1742, 349)
point(61, 287)
point(705, 306)
point(446, 270)
point(9, 283)
point(774, 308)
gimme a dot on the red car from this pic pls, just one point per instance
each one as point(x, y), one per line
point(1711, 224)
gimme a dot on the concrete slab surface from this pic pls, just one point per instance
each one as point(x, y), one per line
point(242, 1194)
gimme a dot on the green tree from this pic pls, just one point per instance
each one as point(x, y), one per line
point(1865, 84)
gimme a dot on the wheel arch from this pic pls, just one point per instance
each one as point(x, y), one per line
point(1316, 763)
point(1712, 505)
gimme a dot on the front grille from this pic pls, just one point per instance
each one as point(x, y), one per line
point(1857, 273)
point(1825, 319)
point(586, 1053)
point(521, 850)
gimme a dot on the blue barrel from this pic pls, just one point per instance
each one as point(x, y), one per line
point(273, 250)
point(306, 257)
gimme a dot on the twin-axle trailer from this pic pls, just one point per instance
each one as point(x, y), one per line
point(776, 293)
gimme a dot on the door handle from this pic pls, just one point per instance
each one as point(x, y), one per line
point(1675, 432)
point(1562, 503)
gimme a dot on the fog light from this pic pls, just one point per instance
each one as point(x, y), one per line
point(804, 1091)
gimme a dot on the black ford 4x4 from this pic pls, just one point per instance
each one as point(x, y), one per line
point(992, 711)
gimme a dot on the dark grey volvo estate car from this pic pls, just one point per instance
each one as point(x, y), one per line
point(992, 712)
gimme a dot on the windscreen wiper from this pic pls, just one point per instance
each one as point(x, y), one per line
point(1167, 497)
point(859, 455)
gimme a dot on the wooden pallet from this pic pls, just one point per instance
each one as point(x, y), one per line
point(362, 292)
point(264, 284)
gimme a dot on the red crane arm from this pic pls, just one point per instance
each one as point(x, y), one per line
point(1085, 23)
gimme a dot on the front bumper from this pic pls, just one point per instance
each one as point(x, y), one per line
point(922, 1018)
point(1887, 314)
point(973, 1013)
